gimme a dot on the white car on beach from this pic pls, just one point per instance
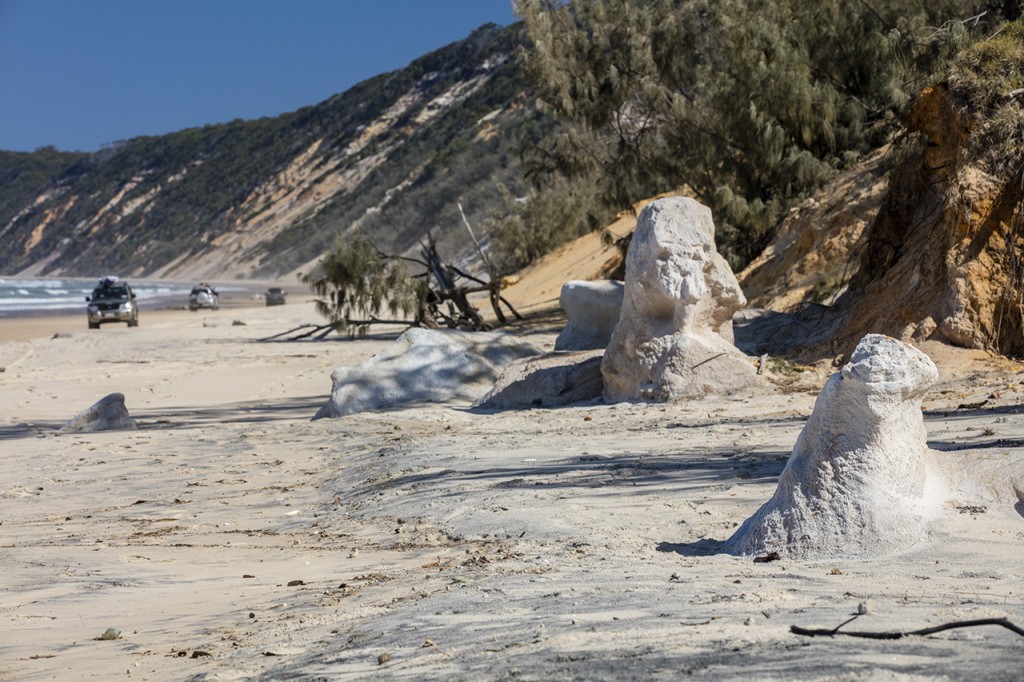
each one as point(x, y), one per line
point(203, 296)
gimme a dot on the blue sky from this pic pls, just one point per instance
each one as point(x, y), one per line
point(76, 74)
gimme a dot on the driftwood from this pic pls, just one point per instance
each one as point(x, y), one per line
point(494, 286)
point(448, 300)
point(293, 330)
point(825, 632)
point(319, 331)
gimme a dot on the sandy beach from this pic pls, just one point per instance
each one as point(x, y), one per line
point(231, 538)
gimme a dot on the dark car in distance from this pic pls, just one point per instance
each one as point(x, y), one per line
point(275, 296)
point(112, 301)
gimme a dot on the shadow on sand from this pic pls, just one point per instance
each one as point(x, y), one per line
point(301, 408)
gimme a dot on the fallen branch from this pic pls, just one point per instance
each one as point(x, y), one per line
point(824, 632)
point(494, 286)
point(487, 286)
point(291, 331)
point(320, 331)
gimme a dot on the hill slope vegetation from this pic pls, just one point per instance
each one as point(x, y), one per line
point(390, 157)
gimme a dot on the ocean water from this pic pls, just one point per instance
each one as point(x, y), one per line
point(45, 296)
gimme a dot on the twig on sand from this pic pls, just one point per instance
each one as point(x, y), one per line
point(704, 362)
point(824, 632)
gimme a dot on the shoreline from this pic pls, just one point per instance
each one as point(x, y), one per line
point(233, 294)
point(51, 324)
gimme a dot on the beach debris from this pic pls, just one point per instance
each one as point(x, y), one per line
point(383, 658)
point(295, 583)
point(770, 556)
point(548, 380)
point(825, 632)
point(424, 365)
point(107, 414)
point(592, 310)
point(674, 336)
point(860, 481)
point(110, 633)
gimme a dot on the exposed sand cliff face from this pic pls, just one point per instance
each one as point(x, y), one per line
point(313, 179)
point(941, 260)
point(813, 255)
point(918, 243)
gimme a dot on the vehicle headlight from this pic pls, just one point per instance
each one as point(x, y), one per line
point(93, 309)
point(127, 307)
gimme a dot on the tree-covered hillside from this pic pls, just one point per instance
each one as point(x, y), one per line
point(391, 157)
point(751, 104)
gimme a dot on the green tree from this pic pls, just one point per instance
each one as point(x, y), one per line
point(356, 284)
point(749, 103)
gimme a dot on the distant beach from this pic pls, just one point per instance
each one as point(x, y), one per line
point(36, 296)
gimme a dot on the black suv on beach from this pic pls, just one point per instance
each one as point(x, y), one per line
point(275, 296)
point(112, 301)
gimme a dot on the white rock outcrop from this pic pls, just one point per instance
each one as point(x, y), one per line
point(592, 310)
point(861, 481)
point(107, 414)
point(550, 380)
point(424, 365)
point(674, 338)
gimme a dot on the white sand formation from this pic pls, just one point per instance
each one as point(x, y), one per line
point(673, 339)
point(107, 414)
point(592, 310)
point(424, 365)
point(861, 481)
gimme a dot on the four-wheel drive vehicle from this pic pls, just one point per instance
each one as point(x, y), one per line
point(112, 301)
point(203, 296)
point(275, 296)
